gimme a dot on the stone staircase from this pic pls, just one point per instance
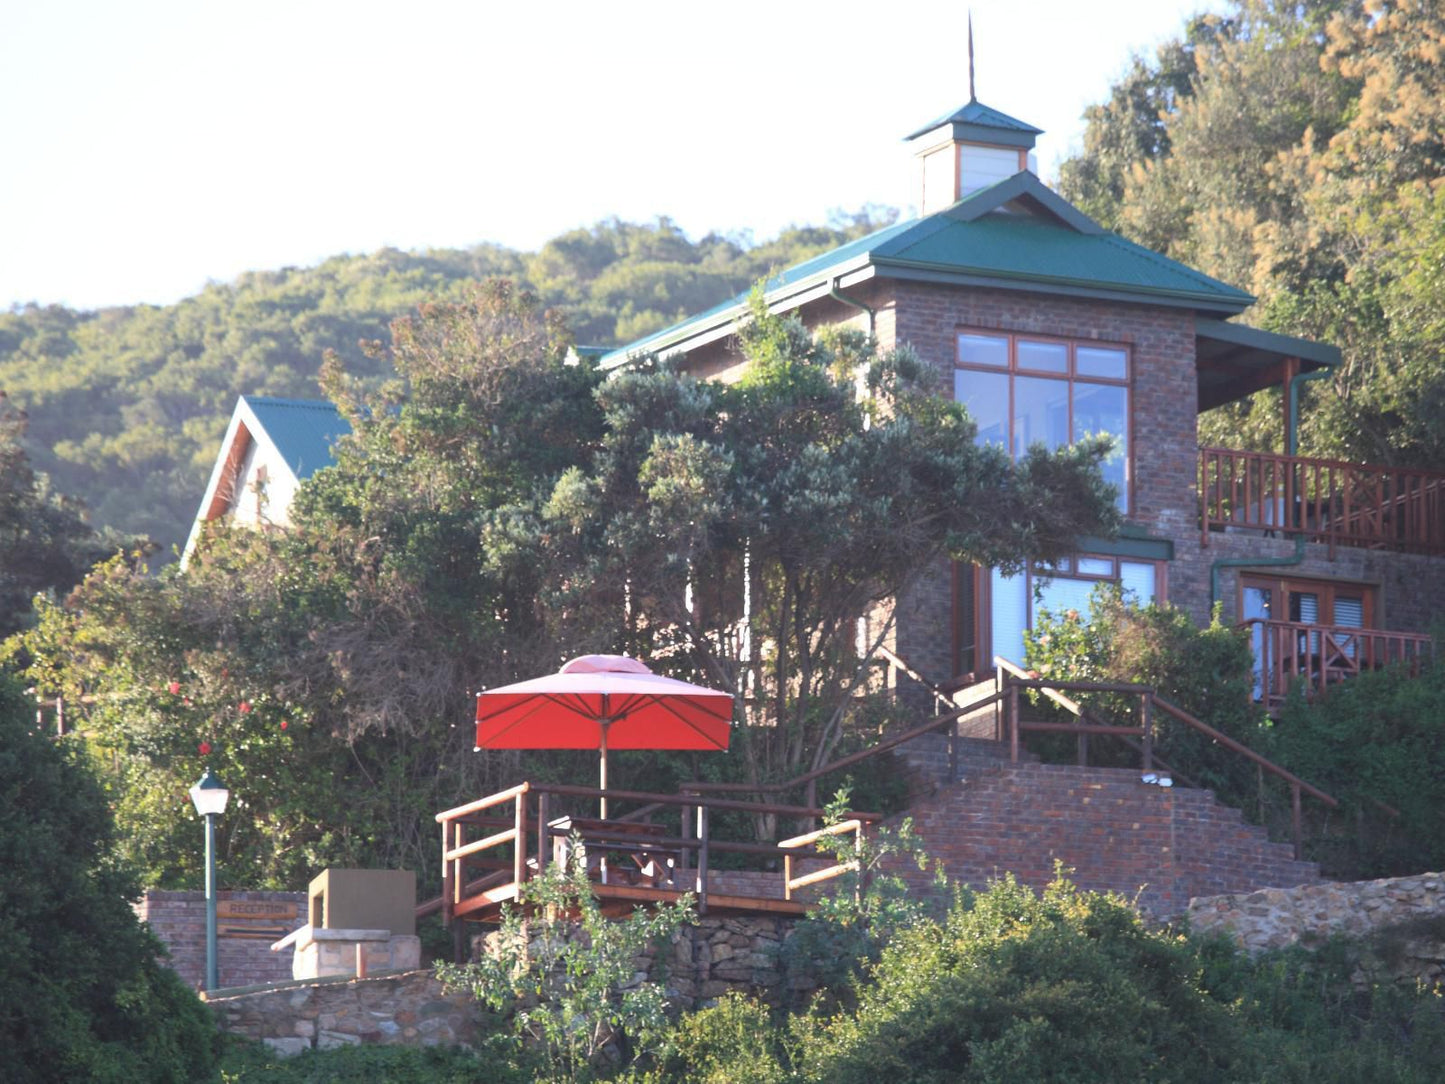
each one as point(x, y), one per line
point(1159, 846)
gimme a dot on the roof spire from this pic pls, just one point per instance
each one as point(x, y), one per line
point(971, 95)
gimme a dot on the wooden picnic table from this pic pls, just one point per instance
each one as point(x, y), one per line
point(652, 861)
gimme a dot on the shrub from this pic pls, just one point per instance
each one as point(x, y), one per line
point(736, 1041)
point(1375, 738)
point(83, 996)
point(567, 974)
point(1016, 987)
point(1208, 672)
point(253, 1063)
point(863, 909)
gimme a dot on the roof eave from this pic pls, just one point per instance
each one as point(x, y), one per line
point(718, 325)
point(1069, 287)
point(1321, 354)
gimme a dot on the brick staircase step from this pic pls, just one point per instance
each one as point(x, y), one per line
point(1158, 845)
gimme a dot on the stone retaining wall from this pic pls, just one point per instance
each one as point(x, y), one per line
point(410, 1007)
point(1276, 917)
point(715, 955)
point(704, 962)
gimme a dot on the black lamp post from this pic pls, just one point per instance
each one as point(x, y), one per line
point(209, 797)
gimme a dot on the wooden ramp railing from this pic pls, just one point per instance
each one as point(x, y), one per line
point(1016, 679)
point(1326, 500)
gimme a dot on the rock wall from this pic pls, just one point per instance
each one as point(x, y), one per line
point(702, 963)
point(716, 955)
point(410, 1007)
point(1277, 917)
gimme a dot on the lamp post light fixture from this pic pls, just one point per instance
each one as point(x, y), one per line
point(209, 796)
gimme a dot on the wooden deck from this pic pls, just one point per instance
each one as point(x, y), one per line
point(632, 860)
point(1316, 657)
point(1326, 501)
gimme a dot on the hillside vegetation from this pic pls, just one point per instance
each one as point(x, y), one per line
point(127, 406)
point(1297, 150)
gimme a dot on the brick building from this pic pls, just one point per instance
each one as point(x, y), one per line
point(1048, 327)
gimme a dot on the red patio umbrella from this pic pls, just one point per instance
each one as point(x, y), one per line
point(603, 702)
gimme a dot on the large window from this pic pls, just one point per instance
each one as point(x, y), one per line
point(992, 611)
point(1024, 391)
point(1017, 600)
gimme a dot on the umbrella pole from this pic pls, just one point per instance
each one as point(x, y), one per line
point(602, 748)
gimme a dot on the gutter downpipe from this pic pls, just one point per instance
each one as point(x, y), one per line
point(836, 296)
point(1291, 447)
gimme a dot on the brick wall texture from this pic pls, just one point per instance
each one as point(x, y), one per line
point(1159, 846)
point(179, 920)
point(1164, 499)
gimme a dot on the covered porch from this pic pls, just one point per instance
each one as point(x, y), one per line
point(1326, 501)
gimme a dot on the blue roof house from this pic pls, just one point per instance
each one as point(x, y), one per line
point(270, 447)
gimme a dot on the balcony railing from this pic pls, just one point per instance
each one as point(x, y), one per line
point(1326, 500)
point(1319, 656)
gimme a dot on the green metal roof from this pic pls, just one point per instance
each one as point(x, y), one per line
point(303, 430)
point(977, 115)
point(978, 123)
point(1041, 243)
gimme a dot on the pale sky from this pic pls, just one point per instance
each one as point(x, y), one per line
point(153, 146)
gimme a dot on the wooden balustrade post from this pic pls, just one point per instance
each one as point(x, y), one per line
point(684, 859)
point(544, 835)
point(702, 835)
point(459, 873)
point(1146, 716)
point(1294, 797)
point(858, 860)
point(519, 845)
point(447, 887)
point(998, 707)
point(1013, 722)
point(788, 875)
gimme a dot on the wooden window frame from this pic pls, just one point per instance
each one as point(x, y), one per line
point(1071, 377)
point(1325, 588)
point(982, 589)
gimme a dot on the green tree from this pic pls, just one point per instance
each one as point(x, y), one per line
point(129, 404)
point(83, 996)
point(1299, 157)
point(754, 523)
point(329, 668)
point(45, 543)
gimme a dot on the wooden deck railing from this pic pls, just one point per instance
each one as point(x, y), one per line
point(519, 844)
point(1319, 656)
point(1326, 500)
